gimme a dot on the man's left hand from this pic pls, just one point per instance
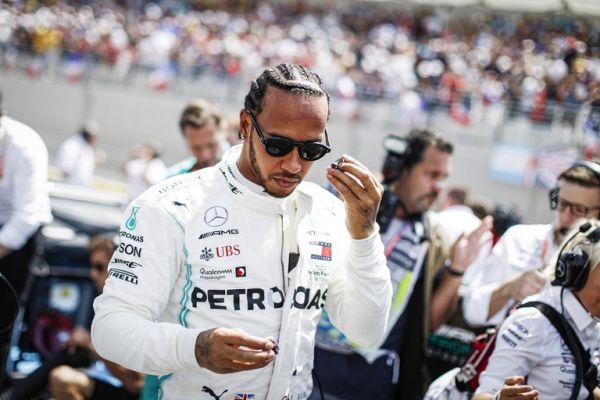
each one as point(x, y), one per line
point(361, 193)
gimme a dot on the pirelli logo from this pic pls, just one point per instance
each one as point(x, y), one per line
point(124, 275)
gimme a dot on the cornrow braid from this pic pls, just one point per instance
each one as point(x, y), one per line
point(292, 78)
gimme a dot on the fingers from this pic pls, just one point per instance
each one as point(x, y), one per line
point(514, 380)
point(352, 177)
point(515, 388)
point(224, 350)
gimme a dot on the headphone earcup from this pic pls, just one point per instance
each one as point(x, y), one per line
point(571, 270)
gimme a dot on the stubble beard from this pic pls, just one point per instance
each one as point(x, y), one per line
point(257, 172)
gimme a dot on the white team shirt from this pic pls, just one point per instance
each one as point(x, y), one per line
point(528, 345)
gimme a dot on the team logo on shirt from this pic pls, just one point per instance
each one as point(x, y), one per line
point(323, 250)
point(207, 254)
point(132, 220)
point(215, 216)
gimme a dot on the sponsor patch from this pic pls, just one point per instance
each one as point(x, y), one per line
point(206, 254)
point(323, 252)
point(128, 263)
point(131, 222)
point(215, 216)
point(240, 272)
point(219, 233)
point(228, 250)
point(130, 249)
point(135, 238)
point(124, 275)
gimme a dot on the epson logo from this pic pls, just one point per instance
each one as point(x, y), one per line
point(130, 249)
point(128, 235)
point(219, 233)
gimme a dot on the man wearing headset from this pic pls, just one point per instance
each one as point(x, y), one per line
point(221, 274)
point(512, 271)
point(528, 345)
point(425, 293)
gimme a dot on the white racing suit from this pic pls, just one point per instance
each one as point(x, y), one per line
point(201, 251)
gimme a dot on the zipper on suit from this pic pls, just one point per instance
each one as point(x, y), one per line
point(281, 255)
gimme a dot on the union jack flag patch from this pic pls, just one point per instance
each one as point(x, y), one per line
point(243, 396)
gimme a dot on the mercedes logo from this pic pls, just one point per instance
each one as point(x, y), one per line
point(215, 216)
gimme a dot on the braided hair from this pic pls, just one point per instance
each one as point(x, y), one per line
point(291, 78)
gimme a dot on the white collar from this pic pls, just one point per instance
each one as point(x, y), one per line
point(577, 311)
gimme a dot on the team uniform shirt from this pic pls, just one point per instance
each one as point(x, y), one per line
point(522, 248)
point(203, 250)
point(24, 201)
point(528, 345)
point(76, 159)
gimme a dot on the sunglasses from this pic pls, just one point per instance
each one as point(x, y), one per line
point(279, 147)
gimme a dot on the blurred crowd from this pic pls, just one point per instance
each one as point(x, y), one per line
point(427, 59)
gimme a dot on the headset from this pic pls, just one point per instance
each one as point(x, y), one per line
point(589, 165)
point(572, 267)
point(397, 149)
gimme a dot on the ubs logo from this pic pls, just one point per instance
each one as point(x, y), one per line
point(215, 216)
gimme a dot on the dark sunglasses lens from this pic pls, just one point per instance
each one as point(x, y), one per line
point(313, 151)
point(278, 147)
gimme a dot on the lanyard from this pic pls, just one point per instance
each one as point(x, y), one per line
point(394, 240)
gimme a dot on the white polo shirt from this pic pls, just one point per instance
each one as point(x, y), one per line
point(24, 201)
point(528, 345)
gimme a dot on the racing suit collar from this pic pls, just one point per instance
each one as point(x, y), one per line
point(243, 193)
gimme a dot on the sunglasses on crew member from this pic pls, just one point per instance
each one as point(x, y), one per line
point(279, 146)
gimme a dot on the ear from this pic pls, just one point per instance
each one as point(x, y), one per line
point(245, 125)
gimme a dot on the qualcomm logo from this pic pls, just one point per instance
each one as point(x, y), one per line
point(132, 221)
point(215, 216)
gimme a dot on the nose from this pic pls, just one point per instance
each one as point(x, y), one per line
point(292, 162)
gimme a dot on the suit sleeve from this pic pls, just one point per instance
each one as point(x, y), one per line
point(360, 291)
point(142, 275)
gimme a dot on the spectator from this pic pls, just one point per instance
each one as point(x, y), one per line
point(417, 250)
point(200, 125)
point(511, 271)
point(76, 157)
point(145, 169)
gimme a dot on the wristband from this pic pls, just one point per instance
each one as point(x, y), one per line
point(454, 272)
